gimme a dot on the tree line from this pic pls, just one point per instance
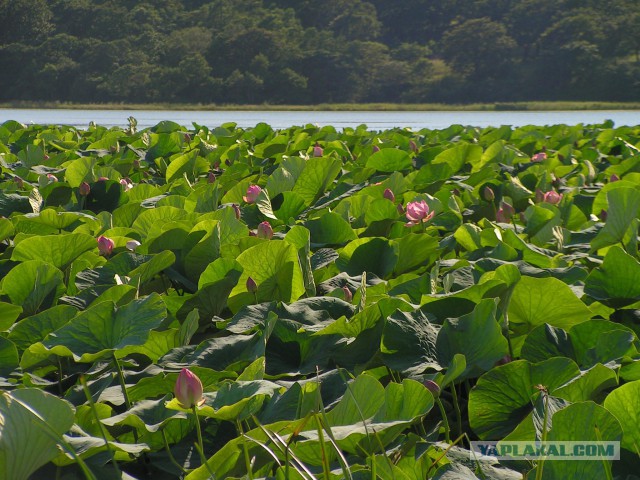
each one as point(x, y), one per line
point(309, 52)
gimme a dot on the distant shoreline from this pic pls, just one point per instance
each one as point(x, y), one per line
point(499, 106)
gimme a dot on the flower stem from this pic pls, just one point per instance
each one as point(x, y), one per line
point(199, 432)
point(123, 387)
point(445, 421)
point(247, 460)
point(456, 407)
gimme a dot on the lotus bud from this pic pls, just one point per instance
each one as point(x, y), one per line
point(19, 181)
point(188, 389)
point(236, 210)
point(504, 360)
point(400, 209)
point(136, 164)
point(603, 215)
point(51, 178)
point(317, 150)
point(46, 157)
point(489, 195)
point(375, 149)
point(84, 189)
point(126, 183)
point(103, 179)
point(552, 197)
point(413, 146)
point(132, 245)
point(252, 286)
point(348, 296)
point(433, 387)
point(539, 157)
point(252, 194)
point(187, 137)
point(211, 178)
point(105, 245)
point(539, 195)
point(265, 230)
point(388, 194)
point(505, 212)
point(613, 178)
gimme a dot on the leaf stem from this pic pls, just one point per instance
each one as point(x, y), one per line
point(168, 450)
point(445, 420)
point(456, 407)
point(247, 460)
point(123, 387)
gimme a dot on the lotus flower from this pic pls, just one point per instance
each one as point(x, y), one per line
point(348, 296)
point(126, 183)
point(105, 245)
point(613, 178)
point(418, 212)
point(489, 194)
point(236, 210)
point(188, 389)
point(252, 194)
point(375, 149)
point(252, 286)
point(433, 387)
point(388, 194)
point(51, 178)
point(552, 197)
point(84, 189)
point(211, 178)
point(505, 212)
point(265, 230)
point(539, 157)
point(317, 150)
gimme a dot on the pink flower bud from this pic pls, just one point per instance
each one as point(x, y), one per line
point(552, 197)
point(188, 389)
point(539, 195)
point(84, 189)
point(613, 178)
point(348, 296)
point(413, 146)
point(603, 215)
point(103, 179)
point(46, 157)
point(375, 149)
point(132, 245)
point(252, 286)
point(317, 150)
point(51, 178)
point(126, 183)
point(539, 157)
point(265, 230)
point(433, 387)
point(388, 194)
point(489, 195)
point(400, 209)
point(252, 194)
point(105, 245)
point(211, 178)
point(236, 210)
point(505, 212)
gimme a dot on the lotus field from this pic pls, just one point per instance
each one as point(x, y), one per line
point(309, 303)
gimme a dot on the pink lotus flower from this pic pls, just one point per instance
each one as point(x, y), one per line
point(552, 197)
point(375, 149)
point(413, 146)
point(84, 189)
point(348, 296)
point(489, 194)
point(539, 157)
point(105, 245)
point(236, 210)
point(418, 212)
point(188, 389)
point(388, 194)
point(433, 387)
point(613, 178)
point(252, 194)
point(51, 178)
point(317, 150)
point(126, 183)
point(505, 212)
point(265, 230)
point(252, 286)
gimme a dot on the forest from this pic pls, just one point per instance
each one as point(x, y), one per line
point(307, 52)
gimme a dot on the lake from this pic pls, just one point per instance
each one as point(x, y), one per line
point(378, 120)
